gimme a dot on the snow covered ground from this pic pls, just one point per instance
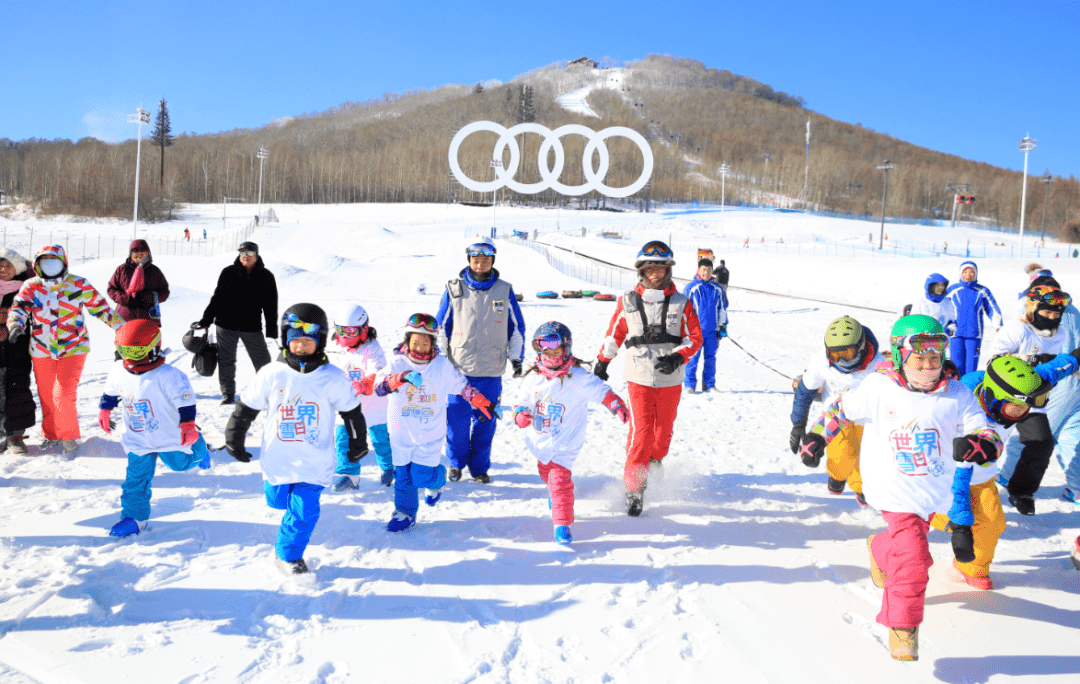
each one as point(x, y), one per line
point(742, 568)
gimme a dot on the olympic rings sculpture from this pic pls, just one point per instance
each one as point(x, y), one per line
point(505, 177)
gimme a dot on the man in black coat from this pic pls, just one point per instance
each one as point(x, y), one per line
point(246, 293)
point(721, 274)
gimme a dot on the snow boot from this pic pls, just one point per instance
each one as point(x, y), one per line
point(836, 487)
point(433, 496)
point(70, 447)
point(345, 483)
point(47, 443)
point(400, 522)
point(127, 527)
point(876, 573)
point(1068, 495)
point(482, 478)
point(562, 535)
point(861, 498)
point(635, 502)
point(957, 575)
point(453, 474)
point(904, 643)
point(1076, 553)
point(388, 478)
point(17, 445)
point(1024, 505)
point(228, 399)
point(296, 567)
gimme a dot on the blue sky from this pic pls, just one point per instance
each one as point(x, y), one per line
point(967, 78)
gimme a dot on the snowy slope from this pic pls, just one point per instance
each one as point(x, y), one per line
point(742, 563)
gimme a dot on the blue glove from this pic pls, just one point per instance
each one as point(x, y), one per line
point(414, 379)
point(721, 332)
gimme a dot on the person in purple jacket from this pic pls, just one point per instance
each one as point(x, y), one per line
point(138, 286)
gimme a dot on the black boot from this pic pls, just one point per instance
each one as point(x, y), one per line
point(227, 399)
point(635, 502)
point(453, 474)
point(836, 486)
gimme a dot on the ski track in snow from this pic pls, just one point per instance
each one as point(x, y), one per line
point(740, 564)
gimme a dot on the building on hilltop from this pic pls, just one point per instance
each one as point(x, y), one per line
point(584, 61)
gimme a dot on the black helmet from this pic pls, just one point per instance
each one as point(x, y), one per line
point(304, 320)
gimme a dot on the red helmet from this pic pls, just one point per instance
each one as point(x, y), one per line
point(138, 343)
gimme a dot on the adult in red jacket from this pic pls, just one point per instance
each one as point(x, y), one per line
point(660, 330)
point(137, 285)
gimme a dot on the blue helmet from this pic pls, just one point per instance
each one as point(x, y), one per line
point(552, 333)
point(656, 252)
point(930, 280)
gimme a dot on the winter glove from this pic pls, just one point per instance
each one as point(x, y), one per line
point(522, 417)
point(974, 449)
point(811, 449)
point(668, 364)
point(15, 332)
point(271, 332)
point(721, 332)
point(485, 405)
point(518, 372)
point(600, 369)
point(797, 432)
point(364, 387)
point(950, 329)
point(396, 380)
point(616, 406)
point(105, 421)
point(963, 542)
point(189, 434)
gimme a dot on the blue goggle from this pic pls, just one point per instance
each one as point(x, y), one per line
point(480, 249)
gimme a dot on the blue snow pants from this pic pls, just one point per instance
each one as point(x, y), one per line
point(409, 478)
point(964, 352)
point(135, 496)
point(378, 439)
point(709, 343)
point(468, 433)
point(300, 501)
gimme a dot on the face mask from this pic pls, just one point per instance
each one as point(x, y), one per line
point(922, 379)
point(51, 267)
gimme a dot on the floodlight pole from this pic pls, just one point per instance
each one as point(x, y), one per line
point(725, 169)
point(806, 176)
point(263, 154)
point(1026, 145)
point(140, 117)
point(886, 167)
point(1047, 179)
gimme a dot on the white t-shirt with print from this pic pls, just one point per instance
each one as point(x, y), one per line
point(366, 359)
point(820, 374)
point(907, 456)
point(560, 410)
point(150, 404)
point(298, 438)
point(416, 416)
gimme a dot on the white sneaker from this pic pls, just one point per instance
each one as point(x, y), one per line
point(687, 390)
point(71, 446)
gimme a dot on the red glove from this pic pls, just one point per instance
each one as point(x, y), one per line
point(616, 406)
point(189, 434)
point(522, 417)
point(104, 420)
point(623, 413)
point(138, 282)
point(364, 387)
point(482, 404)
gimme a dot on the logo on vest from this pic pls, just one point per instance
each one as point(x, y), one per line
point(498, 306)
point(673, 319)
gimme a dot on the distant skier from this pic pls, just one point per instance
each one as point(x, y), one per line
point(972, 301)
point(722, 275)
point(710, 304)
point(555, 404)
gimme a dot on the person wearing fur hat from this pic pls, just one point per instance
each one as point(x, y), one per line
point(659, 328)
point(138, 286)
point(973, 302)
point(49, 307)
point(19, 411)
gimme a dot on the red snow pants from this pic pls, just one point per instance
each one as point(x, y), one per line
point(652, 415)
point(58, 383)
point(903, 554)
point(561, 487)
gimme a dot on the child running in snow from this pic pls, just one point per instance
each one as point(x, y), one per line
point(917, 422)
point(417, 416)
point(555, 403)
point(301, 393)
point(363, 359)
point(158, 407)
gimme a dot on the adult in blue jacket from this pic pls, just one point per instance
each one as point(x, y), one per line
point(973, 302)
point(480, 329)
point(710, 303)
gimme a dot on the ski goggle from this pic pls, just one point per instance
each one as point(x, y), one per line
point(923, 343)
point(138, 352)
point(480, 249)
point(348, 330)
point(656, 250)
point(843, 353)
point(425, 322)
point(549, 341)
point(1050, 296)
point(293, 321)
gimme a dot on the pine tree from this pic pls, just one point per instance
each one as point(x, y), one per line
point(162, 136)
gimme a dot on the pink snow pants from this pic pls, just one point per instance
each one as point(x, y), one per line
point(58, 383)
point(557, 478)
point(903, 554)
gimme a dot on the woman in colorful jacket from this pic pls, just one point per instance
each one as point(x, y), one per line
point(50, 307)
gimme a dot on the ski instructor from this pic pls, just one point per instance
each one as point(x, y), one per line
point(480, 329)
point(660, 330)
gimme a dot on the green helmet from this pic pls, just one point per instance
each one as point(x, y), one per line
point(911, 325)
point(845, 344)
point(1009, 379)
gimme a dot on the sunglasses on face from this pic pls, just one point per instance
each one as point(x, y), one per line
point(247, 253)
point(293, 321)
point(481, 250)
point(348, 330)
point(424, 321)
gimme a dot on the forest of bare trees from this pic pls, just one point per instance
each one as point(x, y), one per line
point(394, 149)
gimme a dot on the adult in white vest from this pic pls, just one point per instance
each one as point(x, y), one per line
point(480, 329)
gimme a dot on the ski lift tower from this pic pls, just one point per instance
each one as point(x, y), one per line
point(958, 190)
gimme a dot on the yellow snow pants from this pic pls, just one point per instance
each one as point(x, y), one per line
point(988, 528)
point(842, 457)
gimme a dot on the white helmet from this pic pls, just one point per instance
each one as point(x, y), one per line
point(350, 315)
